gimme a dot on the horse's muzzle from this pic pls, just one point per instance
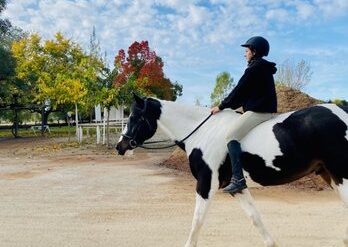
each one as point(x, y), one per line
point(121, 148)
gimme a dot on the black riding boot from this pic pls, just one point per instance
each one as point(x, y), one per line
point(237, 183)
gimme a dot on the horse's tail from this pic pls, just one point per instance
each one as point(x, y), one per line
point(333, 142)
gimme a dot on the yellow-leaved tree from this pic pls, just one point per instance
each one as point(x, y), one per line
point(57, 71)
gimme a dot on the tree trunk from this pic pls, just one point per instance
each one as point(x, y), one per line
point(15, 124)
point(44, 119)
point(68, 122)
point(91, 116)
point(77, 123)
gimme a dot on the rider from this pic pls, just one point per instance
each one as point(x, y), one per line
point(255, 92)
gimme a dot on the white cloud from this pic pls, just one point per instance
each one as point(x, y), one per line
point(321, 52)
point(179, 5)
point(332, 8)
point(279, 14)
point(304, 10)
point(189, 35)
point(185, 25)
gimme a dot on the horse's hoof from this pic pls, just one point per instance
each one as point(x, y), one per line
point(271, 243)
point(190, 244)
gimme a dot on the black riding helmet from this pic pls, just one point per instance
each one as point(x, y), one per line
point(259, 44)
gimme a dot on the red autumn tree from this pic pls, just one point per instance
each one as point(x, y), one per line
point(146, 68)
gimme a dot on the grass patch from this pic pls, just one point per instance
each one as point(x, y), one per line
point(62, 131)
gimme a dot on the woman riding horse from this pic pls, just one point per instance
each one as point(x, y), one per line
point(255, 92)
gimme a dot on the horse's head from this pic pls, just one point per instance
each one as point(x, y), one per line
point(141, 125)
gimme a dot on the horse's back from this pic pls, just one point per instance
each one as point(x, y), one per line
point(292, 144)
point(312, 122)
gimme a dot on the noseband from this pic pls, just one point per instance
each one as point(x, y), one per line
point(134, 131)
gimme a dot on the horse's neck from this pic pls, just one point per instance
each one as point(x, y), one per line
point(178, 120)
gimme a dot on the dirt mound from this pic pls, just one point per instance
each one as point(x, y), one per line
point(177, 160)
point(288, 100)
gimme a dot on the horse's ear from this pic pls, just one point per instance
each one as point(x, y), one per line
point(139, 101)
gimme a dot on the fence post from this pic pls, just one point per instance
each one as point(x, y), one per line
point(80, 137)
point(104, 132)
point(98, 134)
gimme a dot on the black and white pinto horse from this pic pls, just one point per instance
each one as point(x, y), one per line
point(283, 149)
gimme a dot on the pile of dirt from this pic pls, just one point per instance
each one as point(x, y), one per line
point(291, 100)
point(177, 160)
point(288, 100)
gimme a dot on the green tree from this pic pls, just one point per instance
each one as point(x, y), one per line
point(223, 85)
point(56, 70)
point(7, 69)
point(10, 88)
point(339, 102)
point(107, 97)
point(4, 23)
point(7, 62)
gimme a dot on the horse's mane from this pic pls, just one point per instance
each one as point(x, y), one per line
point(191, 110)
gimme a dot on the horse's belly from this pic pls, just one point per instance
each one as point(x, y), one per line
point(264, 160)
point(261, 141)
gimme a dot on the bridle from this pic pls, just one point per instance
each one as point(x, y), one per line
point(134, 132)
point(133, 144)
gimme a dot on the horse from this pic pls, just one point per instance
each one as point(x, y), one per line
point(281, 150)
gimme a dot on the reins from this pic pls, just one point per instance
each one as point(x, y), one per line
point(176, 142)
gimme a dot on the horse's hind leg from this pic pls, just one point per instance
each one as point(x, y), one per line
point(247, 203)
point(342, 189)
point(336, 166)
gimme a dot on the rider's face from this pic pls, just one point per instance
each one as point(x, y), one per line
point(248, 54)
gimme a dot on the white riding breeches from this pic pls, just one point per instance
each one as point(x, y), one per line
point(246, 122)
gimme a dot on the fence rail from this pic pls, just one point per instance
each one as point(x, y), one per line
point(100, 129)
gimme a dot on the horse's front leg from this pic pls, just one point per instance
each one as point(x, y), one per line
point(206, 188)
point(198, 219)
point(247, 203)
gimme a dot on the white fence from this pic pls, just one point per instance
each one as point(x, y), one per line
point(100, 129)
point(116, 118)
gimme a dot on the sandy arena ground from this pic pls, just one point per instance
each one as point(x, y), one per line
point(61, 195)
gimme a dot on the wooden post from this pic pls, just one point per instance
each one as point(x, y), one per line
point(104, 123)
point(98, 134)
point(80, 134)
point(77, 123)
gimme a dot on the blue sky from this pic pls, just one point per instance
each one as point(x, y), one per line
point(199, 39)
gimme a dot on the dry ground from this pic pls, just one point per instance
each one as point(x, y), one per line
point(54, 194)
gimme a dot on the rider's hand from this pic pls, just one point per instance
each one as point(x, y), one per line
point(215, 110)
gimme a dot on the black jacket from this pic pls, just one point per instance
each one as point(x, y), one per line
point(255, 90)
